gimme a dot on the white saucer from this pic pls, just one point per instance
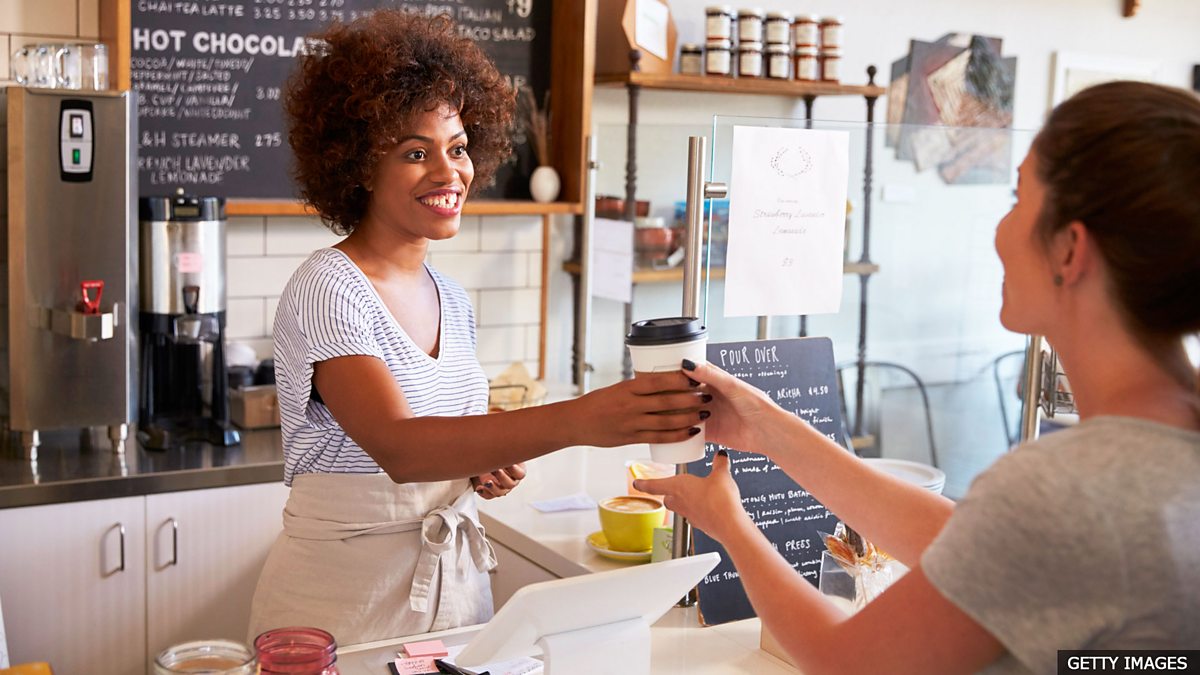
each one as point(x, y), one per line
point(599, 543)
point(929, 477)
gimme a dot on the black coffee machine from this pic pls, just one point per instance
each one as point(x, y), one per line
point(183, 322)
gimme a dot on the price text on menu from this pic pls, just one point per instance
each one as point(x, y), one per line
point(210, 78)
point(798, 374)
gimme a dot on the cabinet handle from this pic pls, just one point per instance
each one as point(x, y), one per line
point(121, 531)
point(174, 542)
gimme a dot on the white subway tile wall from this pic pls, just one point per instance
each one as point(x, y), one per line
point(496, 259)
point(25, 22)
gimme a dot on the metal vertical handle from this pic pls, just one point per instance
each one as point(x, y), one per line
point(583, 326)
point(174, 542)
point(1032, 392)
point(694, 234)
point(121, 532)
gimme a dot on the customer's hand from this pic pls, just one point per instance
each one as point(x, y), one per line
point(713, 503)
point(740, 412)
point(499, 482)
point(650, 408)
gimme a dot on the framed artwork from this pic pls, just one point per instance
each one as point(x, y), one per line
point(1074, 71)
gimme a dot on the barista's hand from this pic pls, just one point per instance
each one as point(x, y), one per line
point(713, 503)
point(650, 408)
point(740, 412)
point(499, 482)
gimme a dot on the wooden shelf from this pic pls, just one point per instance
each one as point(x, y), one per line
point(651, 276)
point(287, 207)
point(731, 85)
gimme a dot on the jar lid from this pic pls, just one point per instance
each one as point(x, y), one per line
point(787, 16)
point(778, 49)
point(647, 222)
point(753, 11)
point(832, 51)
point(665, 331)
point(749, 46)
point(719, 43)
point(690, 47)
point(806, 51)
point(718, 9)
point(812, 18)
point(831, 19)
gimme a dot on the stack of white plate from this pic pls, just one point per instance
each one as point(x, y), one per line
point(929, 477)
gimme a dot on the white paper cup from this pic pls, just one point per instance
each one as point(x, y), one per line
point(661, 345)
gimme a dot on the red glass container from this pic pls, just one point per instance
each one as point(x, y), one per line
point(297, 651)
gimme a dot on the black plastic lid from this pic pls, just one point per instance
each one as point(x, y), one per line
point(181, 206)
point(665, 331)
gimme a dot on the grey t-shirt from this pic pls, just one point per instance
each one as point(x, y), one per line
point(1088, 538)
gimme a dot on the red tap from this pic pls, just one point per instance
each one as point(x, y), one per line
point(90, 305)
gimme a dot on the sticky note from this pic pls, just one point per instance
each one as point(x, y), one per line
point(432, 648)
point(422, 665)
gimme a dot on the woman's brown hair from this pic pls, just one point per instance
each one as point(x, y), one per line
point(362, 84)
point(1123, 158)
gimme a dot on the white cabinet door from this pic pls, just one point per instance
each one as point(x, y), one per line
point(204, 552)
point(513, 571)
point(74, 586)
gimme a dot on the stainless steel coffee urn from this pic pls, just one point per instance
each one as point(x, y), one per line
point(69, 346)
point(183, 322)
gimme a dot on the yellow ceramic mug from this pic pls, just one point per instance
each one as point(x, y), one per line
point(629, 522)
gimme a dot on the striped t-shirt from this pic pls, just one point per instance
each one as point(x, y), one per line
point(330, 309)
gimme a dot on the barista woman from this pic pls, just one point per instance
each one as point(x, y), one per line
point(393, 120)
point(1084, 539)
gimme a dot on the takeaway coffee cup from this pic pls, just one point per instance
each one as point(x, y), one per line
point(660, 345)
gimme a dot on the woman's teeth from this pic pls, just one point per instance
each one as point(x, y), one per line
point(447, 200)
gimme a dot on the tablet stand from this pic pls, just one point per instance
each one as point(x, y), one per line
point(592, 651)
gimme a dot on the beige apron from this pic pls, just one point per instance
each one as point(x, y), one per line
point(366, 559)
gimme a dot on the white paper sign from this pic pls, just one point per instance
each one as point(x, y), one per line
point(787, 214)
point(612, 259)
point(650, 27)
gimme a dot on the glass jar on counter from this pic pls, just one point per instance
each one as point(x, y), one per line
point(691, 59)
point(831, 65)
point(779, 61)
point(719, 24)
point(297, 651)
point(831, 33)
point(750, 25)
point(718, 58)
point(750, 59)
point(779, 28)
point(807, 30)
point(808, 68)
point(219, 657)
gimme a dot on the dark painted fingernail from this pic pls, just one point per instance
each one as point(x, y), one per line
point(704, 414)
point(722, 452)
point(707, 398)
point(488, 484)
point(693, 382)
point(693, 431)
point(688, 364)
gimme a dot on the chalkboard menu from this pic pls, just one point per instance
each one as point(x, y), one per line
point(210, 73)
point(798, 374)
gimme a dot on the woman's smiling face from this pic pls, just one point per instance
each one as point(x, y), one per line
point(421, 182)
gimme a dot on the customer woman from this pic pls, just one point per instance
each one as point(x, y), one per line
point(1084, 539)
point(393, 120)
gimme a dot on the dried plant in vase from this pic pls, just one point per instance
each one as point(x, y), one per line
point(544, 183)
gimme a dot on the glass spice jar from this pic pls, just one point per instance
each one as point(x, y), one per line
point(718, 58)
point(297, 651)
point(831, 33)
point(807, 67)
point(779, 28)
point(719, 24)
point(807, 30)
point(691, 59)
point(779, 61)
point(750, 59)
point(219, 657)
point(750, 25)
point(831, 65)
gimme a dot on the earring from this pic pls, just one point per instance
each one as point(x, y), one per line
point(1058, 280)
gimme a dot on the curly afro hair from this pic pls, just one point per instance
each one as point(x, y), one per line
point(364, 82)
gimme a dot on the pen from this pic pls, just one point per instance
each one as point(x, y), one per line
point(446, 667)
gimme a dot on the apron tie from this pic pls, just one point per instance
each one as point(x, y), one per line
point(439, 543)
